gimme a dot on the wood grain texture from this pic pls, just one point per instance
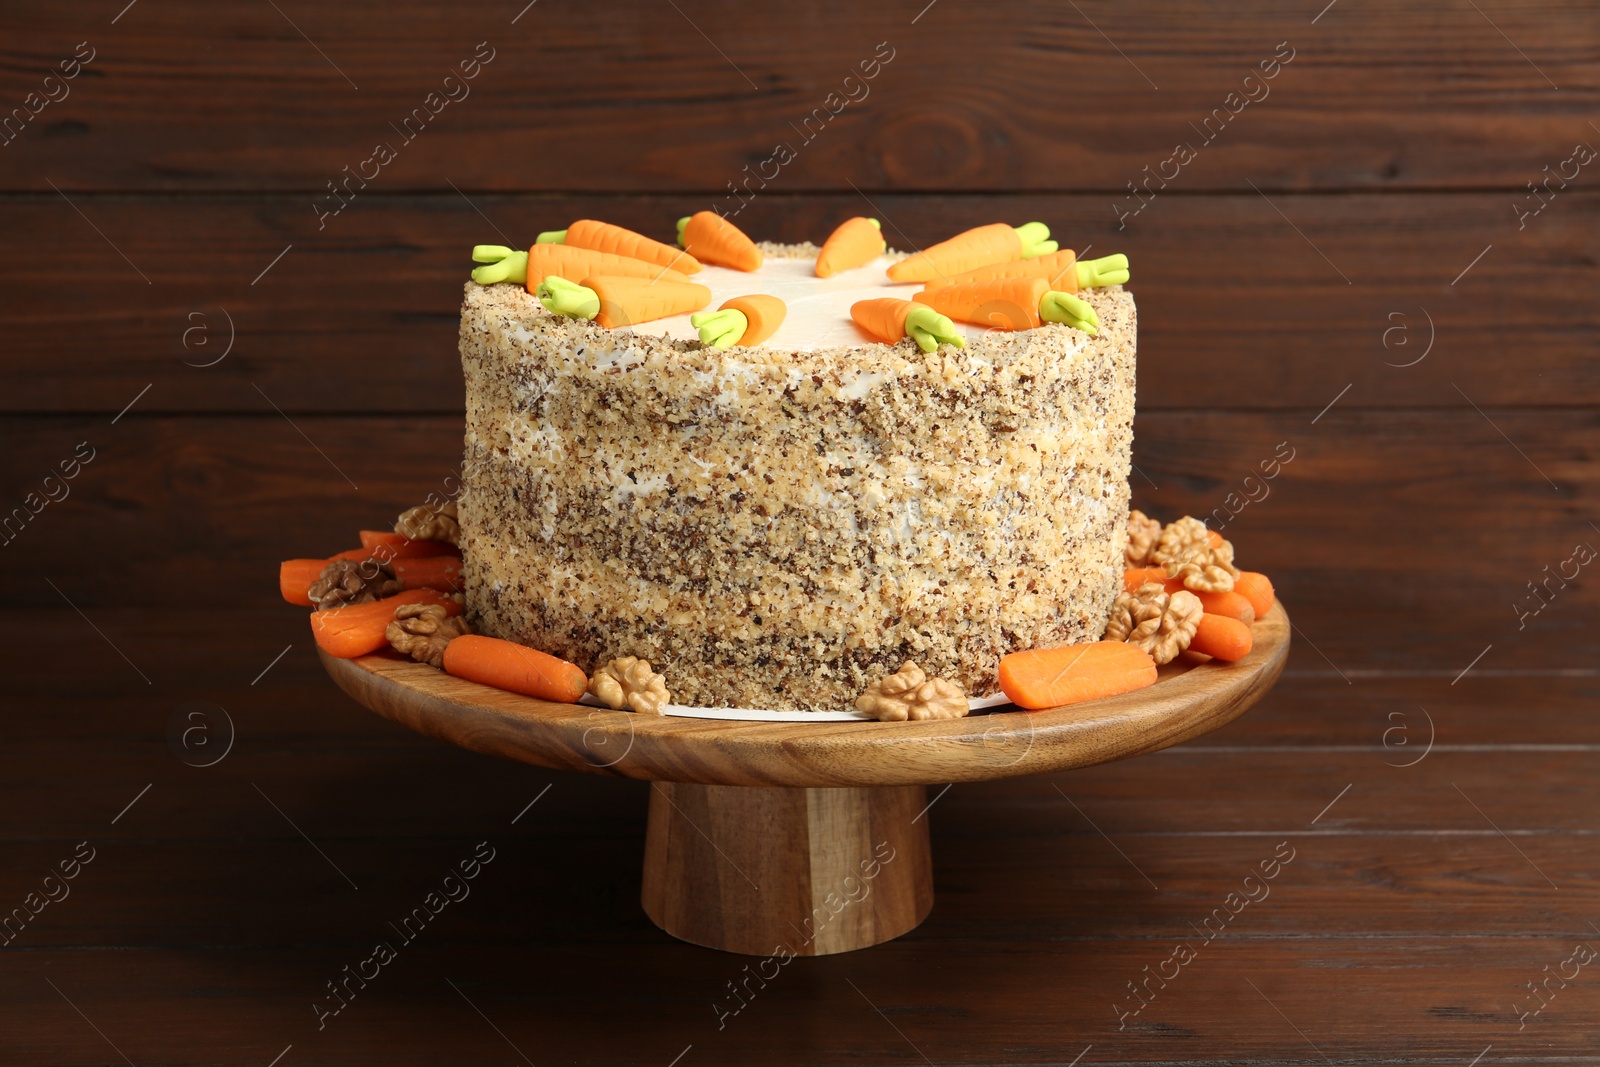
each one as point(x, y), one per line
point(1403, 907)
point(1038, 1003)
point(1399, 141)
point(186, 96)
point(1193, 696)
point(786, 872)
point(1236, 309)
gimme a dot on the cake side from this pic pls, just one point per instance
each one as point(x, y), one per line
point(778, 529)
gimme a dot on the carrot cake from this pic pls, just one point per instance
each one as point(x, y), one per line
point(778, 525)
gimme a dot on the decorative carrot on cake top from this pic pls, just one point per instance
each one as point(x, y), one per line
point(604, 237)
point(709, 237)
point(1062, 270)
point(888, 319)
point(855, 243)
point(979, 247)
point(565, 261)
point(744, 320)
point(1010, 304)
point(615, 301)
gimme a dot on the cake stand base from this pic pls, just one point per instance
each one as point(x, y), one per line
point(787, 871)
point(772, 838)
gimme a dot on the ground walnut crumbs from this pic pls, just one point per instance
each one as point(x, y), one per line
point(910, 694)
point(422, 631)
point(346, 581)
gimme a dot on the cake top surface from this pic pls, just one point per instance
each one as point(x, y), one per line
point(819, 308)
point(720, 288)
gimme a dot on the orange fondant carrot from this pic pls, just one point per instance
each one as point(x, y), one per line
point(710, 238)
point(1058, 269)
point(765, 313)
point(1051, 677)
point(629, 301)
point(883, 318)
point(1065, 272)
point(1213, 539)
point(856, 242)
point(575, 264)
point(434, 572)
point(1231, 605)
point(979, 247)
point(604, 237)
point(1000, 303)
point(888, 319)
point(1258, 588)
point(399, 546)
point(1134, 577)
point(515, 668)
point(357, 629)
point(1221, 638)
point(295, 577)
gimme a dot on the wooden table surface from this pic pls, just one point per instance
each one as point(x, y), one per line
point(1346, 272)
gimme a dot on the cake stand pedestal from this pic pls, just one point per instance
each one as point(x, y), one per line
point(774, 838)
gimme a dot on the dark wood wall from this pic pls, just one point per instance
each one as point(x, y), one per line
point(1353, 267)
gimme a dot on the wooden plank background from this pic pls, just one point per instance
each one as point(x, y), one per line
point(1355, 265)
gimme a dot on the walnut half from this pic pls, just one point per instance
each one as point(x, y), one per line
point(1185, 550)
point(346, 581)
point(629, 682)
point(425, 522)
point(910, 694)
point(422, 631)
point(1143, 533)
point(1162, 625)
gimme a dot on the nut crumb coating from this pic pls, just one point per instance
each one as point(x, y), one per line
point(778, 529)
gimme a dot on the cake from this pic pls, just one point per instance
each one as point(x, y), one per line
point(778, 526)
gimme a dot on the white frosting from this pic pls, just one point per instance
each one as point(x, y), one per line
point(819, 308)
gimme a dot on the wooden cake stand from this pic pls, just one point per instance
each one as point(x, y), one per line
point(805, 838)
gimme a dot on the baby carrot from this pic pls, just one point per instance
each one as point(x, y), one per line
point(434, 572)
point(384, 553)
point(1051, 677)
point(604, 237)
point(1134, 577)
point(399, 546)
point(1010, 304)
point(565, 261)
point(1258, 588)
point(295, 577)
point(888, 319)
point(744, 320)
point(1232, 605)
point(357, 629)
point(978, 247)
point(612, 301)
point(1221, 638)
point(515, 668)
point(710, 238)
point(856, 242)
